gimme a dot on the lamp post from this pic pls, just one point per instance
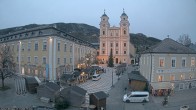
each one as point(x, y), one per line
point(112, 78)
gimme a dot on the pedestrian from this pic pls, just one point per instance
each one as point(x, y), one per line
point(125, 89)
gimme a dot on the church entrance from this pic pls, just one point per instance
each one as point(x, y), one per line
point(116, 60)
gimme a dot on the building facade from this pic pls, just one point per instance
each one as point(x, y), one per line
point(46, 51)
point(169, 66)
point(117, 39)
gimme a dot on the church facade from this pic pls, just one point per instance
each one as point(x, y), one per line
point(116, 39)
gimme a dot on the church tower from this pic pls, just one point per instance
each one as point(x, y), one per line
point(117, 39)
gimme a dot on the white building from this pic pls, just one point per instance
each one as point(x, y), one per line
point(169, 65)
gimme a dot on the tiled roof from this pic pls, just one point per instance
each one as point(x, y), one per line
point(52, 86)
point(170, 46)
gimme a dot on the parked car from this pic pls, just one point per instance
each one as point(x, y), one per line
point(136, 96)
point(96, 77)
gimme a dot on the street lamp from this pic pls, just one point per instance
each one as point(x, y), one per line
point(112, 78)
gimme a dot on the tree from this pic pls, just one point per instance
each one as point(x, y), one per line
point(7, 65)
point(110, 60)
point(185, 40)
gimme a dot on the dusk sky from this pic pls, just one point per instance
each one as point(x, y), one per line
point(155, 18)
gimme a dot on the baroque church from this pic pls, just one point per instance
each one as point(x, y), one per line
point(116, 39)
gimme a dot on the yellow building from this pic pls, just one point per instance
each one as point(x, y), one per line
point(117, 39)
point(46, 52)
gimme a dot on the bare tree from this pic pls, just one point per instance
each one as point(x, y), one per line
point(7, 65)
point(185, 40)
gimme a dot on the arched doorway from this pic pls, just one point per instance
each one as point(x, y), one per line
point(116, 60)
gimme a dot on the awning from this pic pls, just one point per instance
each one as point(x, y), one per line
point(161, 85)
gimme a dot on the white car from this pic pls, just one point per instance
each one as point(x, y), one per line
point(136, 96)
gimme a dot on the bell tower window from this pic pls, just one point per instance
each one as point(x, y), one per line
point(124, 32)
point(103, 32)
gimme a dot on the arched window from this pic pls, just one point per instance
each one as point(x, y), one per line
point(103, 32)
point(124, 31)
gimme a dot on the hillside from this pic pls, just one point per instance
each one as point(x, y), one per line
point(89, 33)
point(142, 42)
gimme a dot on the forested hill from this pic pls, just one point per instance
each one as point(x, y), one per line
point(88, 33)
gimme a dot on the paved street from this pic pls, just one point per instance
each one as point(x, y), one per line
point(104, 84)
point(114, 101)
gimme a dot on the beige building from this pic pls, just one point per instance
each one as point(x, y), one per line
point(117, 39)
point(46, 52)
point(169, 65)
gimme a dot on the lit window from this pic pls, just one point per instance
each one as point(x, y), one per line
point(161, 62)
point(160, 78)
point(181, 77)
point(192, 61)
point(172, 78)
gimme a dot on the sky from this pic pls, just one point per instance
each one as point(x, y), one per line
point(154, 18)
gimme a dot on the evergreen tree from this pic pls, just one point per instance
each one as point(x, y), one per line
point(110, 60)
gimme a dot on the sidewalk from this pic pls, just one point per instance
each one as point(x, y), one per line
point(179, 98)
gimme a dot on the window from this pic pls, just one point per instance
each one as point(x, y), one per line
point(36, 46)
point(116, 44)
point(183, 62)
point(173, 62)
point(124, 52)
point(71, 48)
point(116, 34)
point(103, 44)
point(40, 32)
point(70, 60)
point(103, 52)
point(58, 46)
point(190, 76)
point(161, 62)
point(124, 44)
point(29, 59)
point(111, 44)
point(65, 47)
point(58, 61)
point(103, 32)
point(116, 52)
point(160, 78)
point(44, 60)
point(124, 32)
point(44, 45)
point(192, 61)
point(181, 77)
point(29, 46)
point(172, 78)
point(64, 60)
point(35, 60)
point(18, 45)
point(111, 34)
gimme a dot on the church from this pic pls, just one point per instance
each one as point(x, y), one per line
point(116, 39)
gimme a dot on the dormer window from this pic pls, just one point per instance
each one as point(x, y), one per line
point(40, 32)
point(26, 34)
